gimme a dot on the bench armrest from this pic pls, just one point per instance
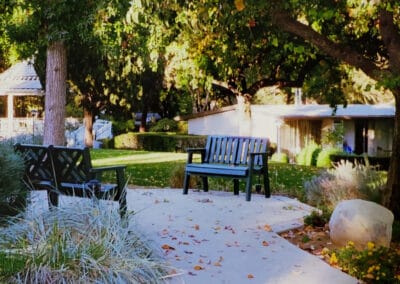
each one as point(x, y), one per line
point(107, 168)
point(119, 170)
point(192, 151)
point(264, 158)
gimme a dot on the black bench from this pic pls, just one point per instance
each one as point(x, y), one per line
point(69, 171)
point(229, 156)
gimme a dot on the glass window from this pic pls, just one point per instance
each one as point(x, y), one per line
point(3, 106)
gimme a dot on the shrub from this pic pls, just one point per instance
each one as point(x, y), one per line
point(324, 157)
point(280, 158)
point(158, 142)
point(345, 181)
point(371, 265)
point(80, 242)
point(13, 193)
point(165, 125)
point(308, 155)
point(317, 218)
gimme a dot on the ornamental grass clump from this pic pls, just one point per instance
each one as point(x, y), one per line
point(345, 181)
point(83, 242)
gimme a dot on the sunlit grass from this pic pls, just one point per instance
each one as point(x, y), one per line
point(154, 169)
point(130, 157)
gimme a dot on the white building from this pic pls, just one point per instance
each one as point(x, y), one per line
point(367, 128)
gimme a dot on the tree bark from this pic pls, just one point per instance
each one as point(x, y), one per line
point(391, 197)
point(88, 120)
point(56, 74)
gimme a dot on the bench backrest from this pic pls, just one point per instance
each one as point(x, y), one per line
point(234, 150)
point(72, 165)
point(37, 163)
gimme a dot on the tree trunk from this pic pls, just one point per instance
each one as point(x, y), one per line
point(143, 120)
point(56, 75)
point(392, 194)
point(244, 115)
point(88, 120)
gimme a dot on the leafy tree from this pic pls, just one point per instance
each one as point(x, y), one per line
point(361, 34)
point(47, 30)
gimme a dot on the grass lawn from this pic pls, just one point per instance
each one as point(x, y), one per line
point(154, 169)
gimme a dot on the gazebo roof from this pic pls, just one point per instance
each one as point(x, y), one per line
point(20, 79)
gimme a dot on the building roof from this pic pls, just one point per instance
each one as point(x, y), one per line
point(20, 79)
point(325, 111)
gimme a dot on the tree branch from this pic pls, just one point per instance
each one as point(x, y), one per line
point(391, 38)
point(344, 53)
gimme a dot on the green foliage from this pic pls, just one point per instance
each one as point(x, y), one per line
point(308, 155)
point(183, 127)
point(280, 158)
point(370, 265)
point(324, 157)
point(345, 181)
point(83, 242)
point(165, 125)
point(13, 193)
point(317, 218)
point(333, 137)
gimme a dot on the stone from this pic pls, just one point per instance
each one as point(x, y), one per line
point(361, 221)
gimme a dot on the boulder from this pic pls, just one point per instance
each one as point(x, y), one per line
point(361, 221)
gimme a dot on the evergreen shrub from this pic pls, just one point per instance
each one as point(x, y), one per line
point(308, 155)
point(13, 192)
point(280, 158)
point(324, 157)
point(163, 142)
point(165, 125)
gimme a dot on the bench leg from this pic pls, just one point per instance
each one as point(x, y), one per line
point(123, 207)
point(248, 187)
point(186, 183)
point(267, 188)
point(205, 183)
point(235, 186)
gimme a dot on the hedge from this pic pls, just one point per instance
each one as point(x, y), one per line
point(163, 142)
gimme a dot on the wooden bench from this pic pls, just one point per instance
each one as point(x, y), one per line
point(69, 171)
point(229, 156)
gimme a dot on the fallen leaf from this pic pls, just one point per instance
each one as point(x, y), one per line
point(217, 263)
point(265, 243)
point(250, 276)
point(167, 247)
point(239, 4)
point(198, 267)
point(196, 227)
point(267, 228)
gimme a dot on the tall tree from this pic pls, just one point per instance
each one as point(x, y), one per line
point(47, 30)
point(361, 34)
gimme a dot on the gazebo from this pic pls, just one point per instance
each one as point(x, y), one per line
point(21, 102)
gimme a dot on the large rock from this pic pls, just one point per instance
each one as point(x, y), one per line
point(361, 222)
